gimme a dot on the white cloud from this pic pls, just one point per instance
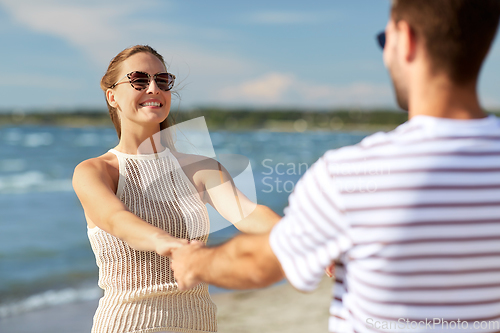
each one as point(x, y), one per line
point(281, 89)
point(89, 26)
point(267, 89)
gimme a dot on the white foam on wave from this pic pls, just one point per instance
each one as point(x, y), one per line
point(33, 181)
point(33, 140)
point(38, 139)
point(50, 298)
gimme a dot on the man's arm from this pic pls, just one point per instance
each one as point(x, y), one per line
point(311, 236)
point(244, 262)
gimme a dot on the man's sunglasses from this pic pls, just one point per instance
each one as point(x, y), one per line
point(381, 39)
point(140, 80)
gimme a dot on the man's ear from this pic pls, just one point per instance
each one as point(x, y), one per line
point(110, 97)
point(407, 40)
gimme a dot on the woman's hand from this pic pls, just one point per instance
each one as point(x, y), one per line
point(165, 244)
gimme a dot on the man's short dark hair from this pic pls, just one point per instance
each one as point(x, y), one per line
point(457, 33)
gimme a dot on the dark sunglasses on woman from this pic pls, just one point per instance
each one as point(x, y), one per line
point(141, 80)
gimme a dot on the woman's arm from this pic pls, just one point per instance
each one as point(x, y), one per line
point(216, 187)
point(261, 220)
point(93, 186)
point(233, 205)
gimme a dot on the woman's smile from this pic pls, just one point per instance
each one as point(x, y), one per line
point(152, 103)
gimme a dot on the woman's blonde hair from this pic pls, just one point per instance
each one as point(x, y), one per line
point(111, 77)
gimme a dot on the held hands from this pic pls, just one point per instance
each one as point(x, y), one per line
point(166, 244)
point(185, 262)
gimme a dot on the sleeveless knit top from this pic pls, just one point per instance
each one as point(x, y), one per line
point(140, 293)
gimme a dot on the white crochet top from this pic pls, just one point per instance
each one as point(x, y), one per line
point(140, 292)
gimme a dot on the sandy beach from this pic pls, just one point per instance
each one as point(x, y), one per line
point(276, 309)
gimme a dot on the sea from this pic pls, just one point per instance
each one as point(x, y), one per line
point(45, 255)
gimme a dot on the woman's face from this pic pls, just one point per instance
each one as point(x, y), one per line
point(150, 105)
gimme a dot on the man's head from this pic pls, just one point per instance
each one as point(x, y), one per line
point(451, 37)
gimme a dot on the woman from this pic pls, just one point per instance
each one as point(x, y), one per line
point(143, 203)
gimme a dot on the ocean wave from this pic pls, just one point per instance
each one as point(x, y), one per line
point(50, 298)
point(13, 135)
point(33, 181)
point(32, 140)
point(88, 140)
point(12, 165)
point(95, 139)
point(38, 139)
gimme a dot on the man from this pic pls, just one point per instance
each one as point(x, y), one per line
point(410, 218)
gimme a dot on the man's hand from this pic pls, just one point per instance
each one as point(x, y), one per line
point(183, 264)
point(244, 262)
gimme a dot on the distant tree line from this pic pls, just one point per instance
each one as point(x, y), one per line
point(231, 119)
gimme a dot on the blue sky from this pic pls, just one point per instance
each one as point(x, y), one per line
point(305, 54)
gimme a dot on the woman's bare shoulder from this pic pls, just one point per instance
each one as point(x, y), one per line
point(104, 167)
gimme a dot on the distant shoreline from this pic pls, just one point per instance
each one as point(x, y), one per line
point(233, 119)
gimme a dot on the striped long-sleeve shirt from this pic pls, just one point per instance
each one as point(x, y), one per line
point(412, 220)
